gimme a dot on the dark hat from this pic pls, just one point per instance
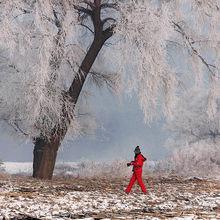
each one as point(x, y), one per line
point(137, 150)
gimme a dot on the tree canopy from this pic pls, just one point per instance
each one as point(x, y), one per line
point(42, 44)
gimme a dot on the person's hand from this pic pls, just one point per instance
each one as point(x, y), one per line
point(128, 164)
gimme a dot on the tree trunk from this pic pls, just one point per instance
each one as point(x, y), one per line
point(45, 154)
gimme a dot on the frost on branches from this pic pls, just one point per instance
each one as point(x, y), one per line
point(32, 53)
point(145, 28)
point(195, 120)
point(43, 43)
point(196, 137)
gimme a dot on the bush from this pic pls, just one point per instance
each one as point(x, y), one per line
point(93, 169)
point(199, 159)
point(2, 168)
point(117, 168)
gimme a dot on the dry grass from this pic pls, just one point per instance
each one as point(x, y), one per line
point(175, 190)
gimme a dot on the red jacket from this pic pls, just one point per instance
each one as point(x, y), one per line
point(138, 162)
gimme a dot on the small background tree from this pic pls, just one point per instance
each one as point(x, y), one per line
point(195, 137)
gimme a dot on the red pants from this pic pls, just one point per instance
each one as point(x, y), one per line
point(136, 176)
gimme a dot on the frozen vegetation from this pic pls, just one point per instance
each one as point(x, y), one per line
point(78, 169)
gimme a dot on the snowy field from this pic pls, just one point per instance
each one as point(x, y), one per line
point(103, 198)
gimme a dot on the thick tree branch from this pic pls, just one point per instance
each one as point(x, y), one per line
point(100, 36)
point(81, 9)
point(97, 3)
point(108, 19)
point(107, 33)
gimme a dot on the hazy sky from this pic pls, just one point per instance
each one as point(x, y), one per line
point(120, 128)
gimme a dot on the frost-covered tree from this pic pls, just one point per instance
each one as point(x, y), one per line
point(191, 122)
point(50, 49)
point(195, 136)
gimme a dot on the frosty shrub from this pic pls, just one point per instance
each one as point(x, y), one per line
point(93, 169)
point(66, 169)
point(2, 168)
point(194, 136)
point(200, 159)
point(117, 168)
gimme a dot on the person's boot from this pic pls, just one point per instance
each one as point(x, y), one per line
point(126, 192)
point(145, 192)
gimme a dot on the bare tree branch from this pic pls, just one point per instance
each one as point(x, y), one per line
point(81, 9)
point(56, 21)
point(109, 5)
point(87, 27)
point(14, 67)
point(15, 126)
point(108, 19)
point(190, 42)
point(99, 79)
point(107, 33)
point(25, 11)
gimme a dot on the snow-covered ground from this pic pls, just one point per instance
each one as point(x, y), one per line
point(102, 198)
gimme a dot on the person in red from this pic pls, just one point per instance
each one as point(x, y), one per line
point(137, 164)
